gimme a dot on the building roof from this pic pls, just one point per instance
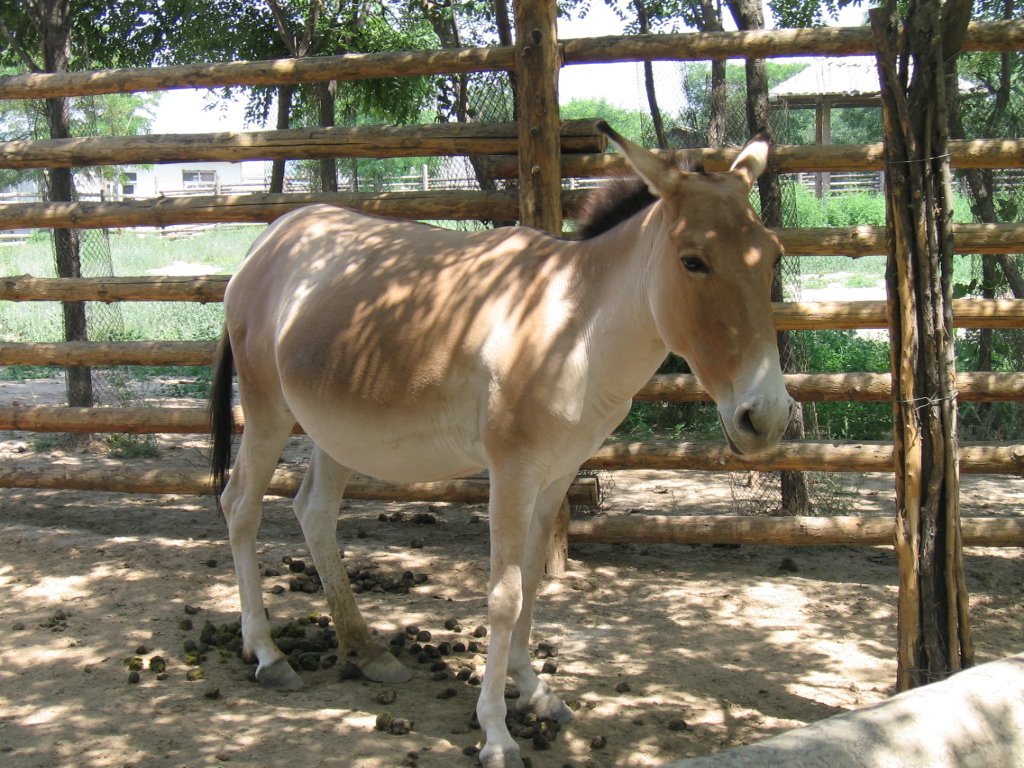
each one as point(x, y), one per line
point(855, 76)
point(849, 76)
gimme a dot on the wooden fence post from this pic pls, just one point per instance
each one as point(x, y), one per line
point(537, 62)
point(934, 637)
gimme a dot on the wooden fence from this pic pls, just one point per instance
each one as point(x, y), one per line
point(541, 152)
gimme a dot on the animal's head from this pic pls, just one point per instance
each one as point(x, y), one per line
point(709, 284)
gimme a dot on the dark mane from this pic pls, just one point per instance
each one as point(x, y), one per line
point(614, 202)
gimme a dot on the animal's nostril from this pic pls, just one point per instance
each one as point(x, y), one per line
point(746, 422)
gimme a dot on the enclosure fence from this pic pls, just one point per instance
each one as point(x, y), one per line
point(543, 155)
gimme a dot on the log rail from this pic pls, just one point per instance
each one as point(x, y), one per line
point(690, 46)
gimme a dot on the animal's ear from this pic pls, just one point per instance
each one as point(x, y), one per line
point(753, 158)
point(661, 176)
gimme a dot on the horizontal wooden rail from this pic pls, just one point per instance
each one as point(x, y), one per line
point(201, 289)
point(262, 207)
point(975, 458)
point(379, 141)
point(118, 478)
point(100, 353)
point(440, 205)
point(870, 241)
point(842, 387)
point(352, 66)
point(764, 44)
point(817, 387)
point(783, 158)
point(792, 531)
point(693, 46)
point(968, 313)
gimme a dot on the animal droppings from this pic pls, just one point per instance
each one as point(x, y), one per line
point(424, 518)
point(471, 750)
point(158, 664)
point(416, 543)
point(678, 725)
point(194, 674)
point(191, 610)
point(550, 667)
point(400, 726)
point(185, 625)
point(545, 650)
point(211, 563)
point(412, 629)
point(623, 687)
point(142, 650)
point(133, 677)
point(598, 742)
point(296, 566)
point(789, 564)
point(480, 631)
point(387, 696)
point(458, 647)
point(447, 693)
point(134, 663)
point(212, 693)
point(383, 721)
point(350, 671)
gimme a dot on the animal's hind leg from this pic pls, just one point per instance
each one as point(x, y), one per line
point(316, 506)
point(535, 695)
point(242, 502)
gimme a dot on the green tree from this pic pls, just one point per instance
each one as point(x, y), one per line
point(628, 122)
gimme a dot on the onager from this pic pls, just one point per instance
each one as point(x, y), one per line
point(412, 353)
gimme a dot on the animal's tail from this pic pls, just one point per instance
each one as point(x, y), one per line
point(222, 419)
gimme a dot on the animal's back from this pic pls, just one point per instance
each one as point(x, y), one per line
point(386, 326)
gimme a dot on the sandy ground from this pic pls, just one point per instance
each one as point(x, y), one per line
point(725, 640)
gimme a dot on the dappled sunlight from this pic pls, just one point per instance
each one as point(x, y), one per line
point(717, 638)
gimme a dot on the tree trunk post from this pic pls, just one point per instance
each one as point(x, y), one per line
point(934, 637)
point(538, 59)
point(53, 19)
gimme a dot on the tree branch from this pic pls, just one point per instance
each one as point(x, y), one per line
point(16, 47)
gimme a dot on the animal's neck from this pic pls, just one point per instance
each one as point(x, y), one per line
point(623, 340)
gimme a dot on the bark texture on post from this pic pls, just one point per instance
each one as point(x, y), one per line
point(934, 627)
point(53, 19)
point(537, 62)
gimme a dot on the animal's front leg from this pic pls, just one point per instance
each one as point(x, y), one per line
point(511, 509)
point(535, 696)
point(316, 506)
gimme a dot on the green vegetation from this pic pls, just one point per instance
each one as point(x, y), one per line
point(219, 251)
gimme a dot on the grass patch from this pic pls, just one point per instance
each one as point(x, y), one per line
point(132, 447)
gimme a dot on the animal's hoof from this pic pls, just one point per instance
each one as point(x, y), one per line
point(385, 668)
point(501, 758)
point(547, 707)
point(279, 676)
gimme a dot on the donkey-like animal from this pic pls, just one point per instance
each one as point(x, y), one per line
point(412, 353)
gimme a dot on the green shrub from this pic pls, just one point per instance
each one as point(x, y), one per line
point(841, 352)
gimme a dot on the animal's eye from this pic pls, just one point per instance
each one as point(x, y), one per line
point(695, 264)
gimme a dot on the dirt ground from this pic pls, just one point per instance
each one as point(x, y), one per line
point(727, 641)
